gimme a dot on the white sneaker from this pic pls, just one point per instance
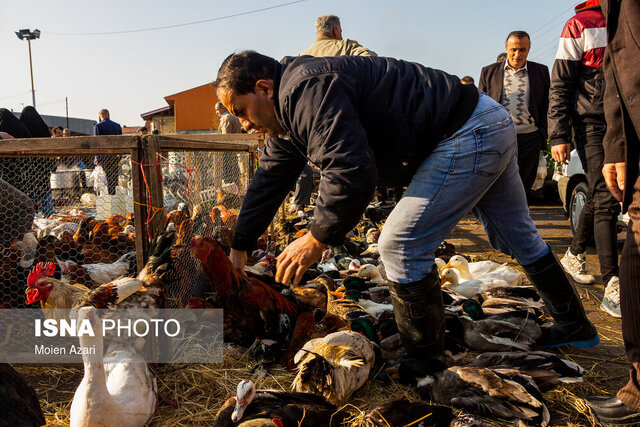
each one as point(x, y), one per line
point(576, 267)
point(611, 300)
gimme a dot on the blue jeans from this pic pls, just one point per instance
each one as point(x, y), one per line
point(474, 170)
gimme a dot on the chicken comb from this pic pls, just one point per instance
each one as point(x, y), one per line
point(278, 422)
point(39, 271)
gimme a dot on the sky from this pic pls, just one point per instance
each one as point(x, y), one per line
point(131, 72)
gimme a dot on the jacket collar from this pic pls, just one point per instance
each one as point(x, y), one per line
point(506, 65)
point(588, 5)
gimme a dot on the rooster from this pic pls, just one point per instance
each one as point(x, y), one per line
point(252, 309)
point(57, 297)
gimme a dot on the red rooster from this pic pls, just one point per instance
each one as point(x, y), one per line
point(253, 310)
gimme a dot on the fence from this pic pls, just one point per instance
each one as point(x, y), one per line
point(98, 200)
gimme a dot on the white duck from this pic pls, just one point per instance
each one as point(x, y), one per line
point(469, 288)
point(476, 270)
point(334, 366)
point(371, 272)
point(117, 390)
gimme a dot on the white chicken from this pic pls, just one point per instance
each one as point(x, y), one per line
point(117, 389)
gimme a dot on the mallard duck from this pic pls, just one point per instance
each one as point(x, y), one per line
point(546, 369)
point(289, 408)
point(495, 393)
point(117, 389)
point(334, 366)
point(391, 349)
point(488, 334)
point(405, 413)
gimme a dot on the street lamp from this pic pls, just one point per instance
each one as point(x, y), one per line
point(30, 35)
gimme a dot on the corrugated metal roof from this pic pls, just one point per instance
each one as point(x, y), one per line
point(156, 111)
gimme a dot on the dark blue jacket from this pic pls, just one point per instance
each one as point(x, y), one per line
point(363, 121)
point(107, 127)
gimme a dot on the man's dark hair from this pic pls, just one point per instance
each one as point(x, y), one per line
point(467, 80)
point(56, 128)
point(142, 129)
point(518, 35)
point(239, 72)
point(501, 57)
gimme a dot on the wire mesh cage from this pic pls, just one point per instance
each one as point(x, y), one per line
point(92, 214)
point(203, 194)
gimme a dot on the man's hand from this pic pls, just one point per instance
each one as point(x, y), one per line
point(297, 257)
point(614, 175)
point(238, 259)
point(561, 153)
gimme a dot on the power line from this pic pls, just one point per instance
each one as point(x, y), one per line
point(553, 19)
point(15, 96)
point(183, 24)
point(51, 102)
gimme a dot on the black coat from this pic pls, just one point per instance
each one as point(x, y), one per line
point(492, 82)
point(363, 121)
point(622, 93)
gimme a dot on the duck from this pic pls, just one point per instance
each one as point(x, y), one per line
point(372, 250)
point(487, 269)
point(284, 409)
point(494, 393)
point(19, 403)
point(402, 412)
point(469, 270)
point(440, 263)
point(117, 389)
point(546, 369)
point(371, 272)
point(334, 366)
point(488, 334)
point(469, 288)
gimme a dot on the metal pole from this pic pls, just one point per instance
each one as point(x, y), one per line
point(33, 91)
point(66, 107)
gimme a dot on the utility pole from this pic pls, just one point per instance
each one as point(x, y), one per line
point(30, 35)
point(66, 108)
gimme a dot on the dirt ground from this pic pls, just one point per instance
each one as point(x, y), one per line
point(606, 364)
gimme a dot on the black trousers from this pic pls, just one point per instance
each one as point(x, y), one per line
point(304, 187)
point(600, 212)
point(529, 145)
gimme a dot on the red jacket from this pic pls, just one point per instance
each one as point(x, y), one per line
point(577, 79)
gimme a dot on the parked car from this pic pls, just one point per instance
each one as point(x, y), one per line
point(572, 189)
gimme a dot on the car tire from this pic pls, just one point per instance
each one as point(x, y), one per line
point(578, 198)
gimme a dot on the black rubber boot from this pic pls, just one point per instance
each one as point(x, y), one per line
point(420, 318)
point(571, 325)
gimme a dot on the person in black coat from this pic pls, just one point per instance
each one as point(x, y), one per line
point(621, 163)
point(523, 88)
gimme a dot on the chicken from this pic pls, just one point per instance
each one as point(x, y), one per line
point(186, 277)
point(106, 242)
point(252, 309)
point(92, 275)
point(57, 297)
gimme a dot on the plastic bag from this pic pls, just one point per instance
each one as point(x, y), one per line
point(541, 174)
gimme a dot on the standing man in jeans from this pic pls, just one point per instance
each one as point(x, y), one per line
point(576, 105)
point(367, 121)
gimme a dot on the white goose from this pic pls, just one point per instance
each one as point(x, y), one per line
point(484, 270)
point(117, 390)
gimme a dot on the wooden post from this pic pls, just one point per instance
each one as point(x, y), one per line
point(139, 207)
point(153, 174)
